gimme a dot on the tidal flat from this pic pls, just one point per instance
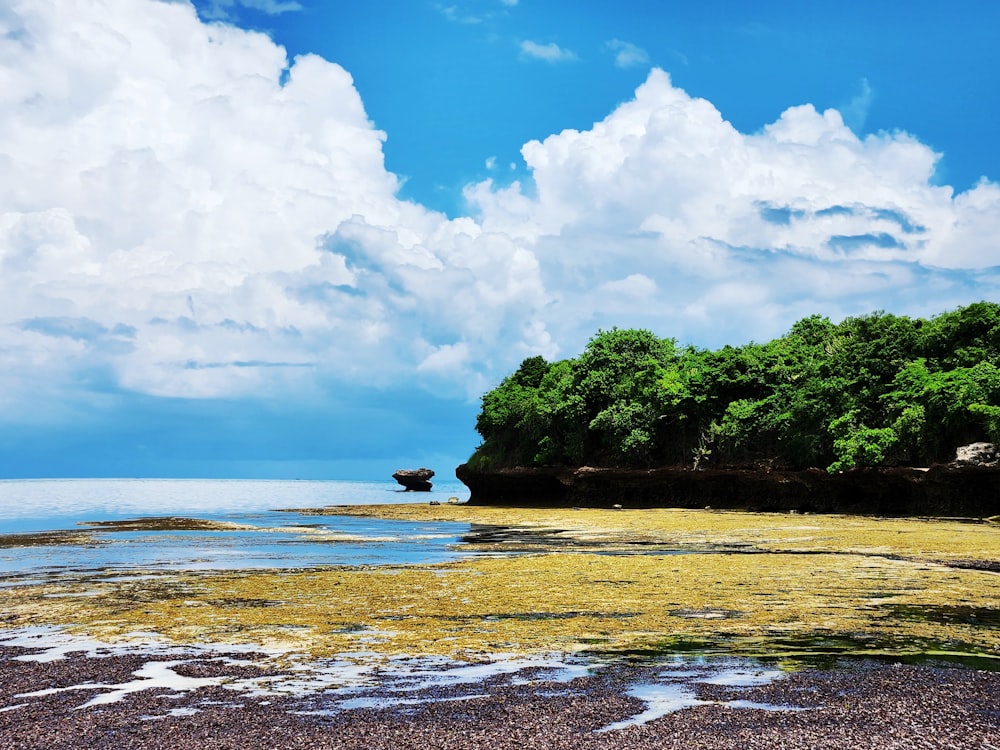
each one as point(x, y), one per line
point(549, 628)
point(795, 588)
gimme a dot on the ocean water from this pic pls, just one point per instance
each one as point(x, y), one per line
point(266, 537)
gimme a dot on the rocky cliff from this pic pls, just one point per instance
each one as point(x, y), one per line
point(965, 490)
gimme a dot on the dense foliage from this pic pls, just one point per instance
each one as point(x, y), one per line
point(873, 390)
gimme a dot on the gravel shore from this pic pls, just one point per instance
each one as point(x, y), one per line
point(859, 705)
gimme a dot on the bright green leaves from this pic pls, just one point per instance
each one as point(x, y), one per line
point(856, 445)
point(741, 423)
point(513, 412)
point(628, 426)
point(934, 410)
point(868, 391)
point(618, 376)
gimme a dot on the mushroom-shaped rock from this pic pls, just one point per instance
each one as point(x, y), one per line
point(414, 480)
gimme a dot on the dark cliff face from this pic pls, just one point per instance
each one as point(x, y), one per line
point(944, 490)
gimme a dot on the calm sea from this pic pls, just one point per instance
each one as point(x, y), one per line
point(267, 537)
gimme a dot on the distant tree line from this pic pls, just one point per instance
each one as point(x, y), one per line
point(873, 390)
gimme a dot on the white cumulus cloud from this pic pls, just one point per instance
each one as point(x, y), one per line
point(186, 212)
point(209, 218)
point(741, 233)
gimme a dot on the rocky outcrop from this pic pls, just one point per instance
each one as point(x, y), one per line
point(414, 480)
point(976, 454)
point(942, 490)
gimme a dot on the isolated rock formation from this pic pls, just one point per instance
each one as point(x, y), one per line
point(414, 480)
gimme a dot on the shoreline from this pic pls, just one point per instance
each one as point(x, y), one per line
point(651, 601)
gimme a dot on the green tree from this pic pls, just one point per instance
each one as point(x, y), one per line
point(867, 391)
point(617, 377)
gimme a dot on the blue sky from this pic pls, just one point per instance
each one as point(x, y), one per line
point(300, 238)
point(451, 86)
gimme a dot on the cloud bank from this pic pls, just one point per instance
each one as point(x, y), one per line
point(734, 235)
point(187, 213)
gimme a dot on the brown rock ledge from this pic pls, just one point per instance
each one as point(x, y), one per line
point(940, 490)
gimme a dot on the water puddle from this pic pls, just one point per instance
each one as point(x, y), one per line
point(155, 675)
point(46, 644)
point(349, 682)
point(660, 700)
point(814, 650)
point(378, 702)
point(985, 617)
point(676, 689)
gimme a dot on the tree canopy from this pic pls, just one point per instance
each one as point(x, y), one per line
point(873, 390)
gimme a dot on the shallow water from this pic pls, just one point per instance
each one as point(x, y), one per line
point(44, 504)
point(259, 538)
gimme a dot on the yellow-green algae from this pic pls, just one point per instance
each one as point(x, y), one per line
point(881, 583)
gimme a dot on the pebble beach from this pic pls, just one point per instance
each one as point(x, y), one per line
point(860, 705)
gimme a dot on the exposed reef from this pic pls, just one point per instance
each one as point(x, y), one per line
point(947, 490)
